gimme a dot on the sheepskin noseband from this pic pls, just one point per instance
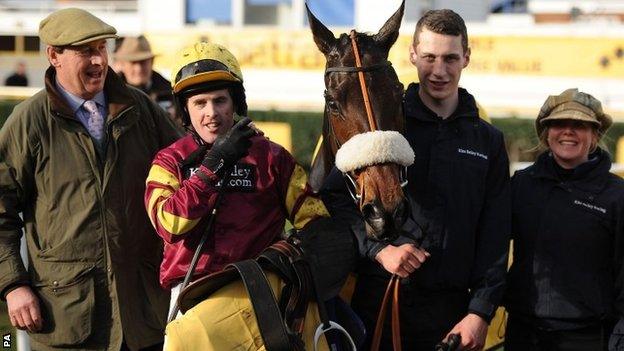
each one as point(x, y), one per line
point(371, 148)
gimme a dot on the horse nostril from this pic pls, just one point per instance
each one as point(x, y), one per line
point(374, 217)
point(372, 211)
point(400, 214)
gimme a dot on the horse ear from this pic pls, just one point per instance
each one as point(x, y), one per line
point(389, 33)
point(323, 37)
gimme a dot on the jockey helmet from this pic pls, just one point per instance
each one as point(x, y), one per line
point(204, 67)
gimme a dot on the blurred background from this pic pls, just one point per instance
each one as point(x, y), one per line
point(522, 51)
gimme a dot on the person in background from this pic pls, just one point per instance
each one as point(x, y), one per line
point(264, 185)
point(565, 285)
point(135, 61)
point(73, 163)
point(19, 77)
point(452, 253)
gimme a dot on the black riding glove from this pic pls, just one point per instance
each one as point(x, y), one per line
point(229, 147)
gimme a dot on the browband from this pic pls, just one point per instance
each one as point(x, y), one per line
point(347, 69)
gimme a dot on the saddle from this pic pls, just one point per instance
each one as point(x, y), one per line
point(297, 319)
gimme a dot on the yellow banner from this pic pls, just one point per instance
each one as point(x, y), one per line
point(548, 56)
point(560, 56)
point(278, 132)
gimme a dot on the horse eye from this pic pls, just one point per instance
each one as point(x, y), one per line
point(333, 105)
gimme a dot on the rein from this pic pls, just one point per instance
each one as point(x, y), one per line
point(358, 64)
point(391, 290)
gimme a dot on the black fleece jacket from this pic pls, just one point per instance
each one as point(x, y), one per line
point(568, 269)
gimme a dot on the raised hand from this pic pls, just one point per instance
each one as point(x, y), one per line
point(229, 147)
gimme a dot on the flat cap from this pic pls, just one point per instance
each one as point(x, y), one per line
point(574, 105)
point(73, 27)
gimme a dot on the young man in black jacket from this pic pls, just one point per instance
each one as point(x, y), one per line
point(460, 205)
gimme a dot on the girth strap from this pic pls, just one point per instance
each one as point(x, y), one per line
point(269, 319)
point(289, 262)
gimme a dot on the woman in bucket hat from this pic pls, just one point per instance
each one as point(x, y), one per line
point(564, 289)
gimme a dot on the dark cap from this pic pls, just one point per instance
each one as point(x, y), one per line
point(73, 27)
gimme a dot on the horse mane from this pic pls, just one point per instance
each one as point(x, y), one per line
point(323, 160)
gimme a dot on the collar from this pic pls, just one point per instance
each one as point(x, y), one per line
point(414, 106)
point(75, 102)
point(590, 176)
point(117, 96)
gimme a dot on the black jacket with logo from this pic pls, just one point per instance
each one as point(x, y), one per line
point(460, 203)
point(568, 236)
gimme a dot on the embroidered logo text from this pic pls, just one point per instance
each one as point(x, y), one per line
point(590, 206)
point(472, 153)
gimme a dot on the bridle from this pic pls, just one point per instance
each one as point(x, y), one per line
point(393, 286)
point(360, 70)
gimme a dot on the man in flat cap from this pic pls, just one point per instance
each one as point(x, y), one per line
point(73, 162)
point(135, 61)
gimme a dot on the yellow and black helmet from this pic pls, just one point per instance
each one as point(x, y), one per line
point(204, 62)
point(202, 67)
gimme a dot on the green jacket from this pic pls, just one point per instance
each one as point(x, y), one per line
point(93, 254)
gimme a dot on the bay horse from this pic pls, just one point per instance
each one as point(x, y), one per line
point(362, 121)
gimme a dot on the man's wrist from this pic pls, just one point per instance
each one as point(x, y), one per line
point(12, 287)
point(480, 315)
point(485, 317)
point(375, 250)
point(218, 167)
point(207, 175)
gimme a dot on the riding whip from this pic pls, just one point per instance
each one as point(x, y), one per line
point(202, 241)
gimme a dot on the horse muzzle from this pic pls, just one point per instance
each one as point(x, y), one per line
point(382, 225)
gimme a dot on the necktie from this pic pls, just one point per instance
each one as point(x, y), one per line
point(95, 124)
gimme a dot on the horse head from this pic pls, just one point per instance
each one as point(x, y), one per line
point(362, 123)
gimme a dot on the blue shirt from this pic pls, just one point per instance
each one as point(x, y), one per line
point(76, 102)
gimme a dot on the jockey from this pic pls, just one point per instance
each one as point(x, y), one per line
point(264, 185)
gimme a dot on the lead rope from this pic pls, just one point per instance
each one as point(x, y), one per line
point(391, 294)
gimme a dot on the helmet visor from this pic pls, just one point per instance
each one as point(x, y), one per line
point(203, 71)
